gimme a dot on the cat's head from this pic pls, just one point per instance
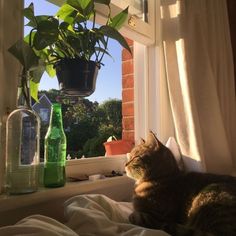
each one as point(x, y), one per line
point(151, 160)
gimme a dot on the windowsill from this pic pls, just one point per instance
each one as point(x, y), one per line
point(96, 165)
point(49, 201)
point(77, 167)
point(8, 202)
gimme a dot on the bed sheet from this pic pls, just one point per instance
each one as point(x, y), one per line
point(86, 215)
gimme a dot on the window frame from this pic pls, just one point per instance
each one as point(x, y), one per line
point(135, 28)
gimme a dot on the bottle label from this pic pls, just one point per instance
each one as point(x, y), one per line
point(28, 142)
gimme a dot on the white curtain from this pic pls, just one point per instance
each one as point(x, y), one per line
point(11, 25)
point(200, 75)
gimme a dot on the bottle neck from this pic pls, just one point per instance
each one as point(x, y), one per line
point(23, 93)
point(21, 101)
point(56, 116)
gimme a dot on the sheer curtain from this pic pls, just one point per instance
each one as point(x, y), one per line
point(11, 25)
point(200, 75)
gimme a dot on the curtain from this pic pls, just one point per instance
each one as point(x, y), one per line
point(11, 26)
point(200, 75)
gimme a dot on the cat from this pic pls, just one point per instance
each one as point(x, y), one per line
point(180, 203)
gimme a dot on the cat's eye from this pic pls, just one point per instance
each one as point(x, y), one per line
point(131, 160)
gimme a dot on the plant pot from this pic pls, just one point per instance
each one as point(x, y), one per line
point(77, 77)
point(117, 147)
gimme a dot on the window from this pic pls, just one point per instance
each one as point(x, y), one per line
point(92, 119)
point(44, 114)
point(151, 98)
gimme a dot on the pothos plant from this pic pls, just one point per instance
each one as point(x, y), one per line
point(71, 33)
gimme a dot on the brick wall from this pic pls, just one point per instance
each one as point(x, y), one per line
point(127, 94)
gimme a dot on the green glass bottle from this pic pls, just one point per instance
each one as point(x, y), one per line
point(55, 150)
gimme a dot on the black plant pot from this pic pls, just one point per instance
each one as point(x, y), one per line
point(76, 76)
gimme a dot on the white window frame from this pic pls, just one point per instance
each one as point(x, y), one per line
point(135, 28)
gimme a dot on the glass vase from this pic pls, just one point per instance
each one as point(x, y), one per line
point(22, 150)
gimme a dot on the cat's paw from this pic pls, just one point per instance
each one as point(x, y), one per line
point(141, 219)
point(148, 221)
point(136, 218)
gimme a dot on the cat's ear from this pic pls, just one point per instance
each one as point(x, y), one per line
point(153, 140)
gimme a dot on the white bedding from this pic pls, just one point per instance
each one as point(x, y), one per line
point(86, 215)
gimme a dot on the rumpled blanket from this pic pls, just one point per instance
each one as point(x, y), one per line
point(86, 215)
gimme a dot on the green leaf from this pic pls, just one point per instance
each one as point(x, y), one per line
point(65, 11)
point(80, 18)
point(39, 43)
point(84, 7)
point(74, 3)
point(88, 11)
point(64, 25)
point(84, 3)
point(69, 19)
point(28, 12)
point(104, 51)
point(47, 33)
point(113, 33)
point(34, 90)
point(50, 70)
point(118, 20)
point(24, 53)
point(106, 2)
point(36, 73)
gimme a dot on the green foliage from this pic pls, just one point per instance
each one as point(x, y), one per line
point(113, 111)
point(52, 94)
point(68, 34)
point(94, 146)
point(87, 124)
point(79, 133)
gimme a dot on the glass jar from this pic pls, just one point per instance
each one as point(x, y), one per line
point(22, 149)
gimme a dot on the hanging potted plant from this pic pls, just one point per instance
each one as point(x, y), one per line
point(71, 44)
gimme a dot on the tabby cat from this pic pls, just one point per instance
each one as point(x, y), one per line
point(177, 202)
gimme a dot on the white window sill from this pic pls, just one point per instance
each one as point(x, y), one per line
point(49, 202)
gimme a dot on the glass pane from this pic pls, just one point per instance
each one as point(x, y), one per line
point(139, 8)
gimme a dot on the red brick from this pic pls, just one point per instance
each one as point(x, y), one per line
point(128, 95)
point(126, 55)
point(128, 81)
point(128, 135)
point(129, 41)
point(128, 123)
point(128, 109)
point(127, 67)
